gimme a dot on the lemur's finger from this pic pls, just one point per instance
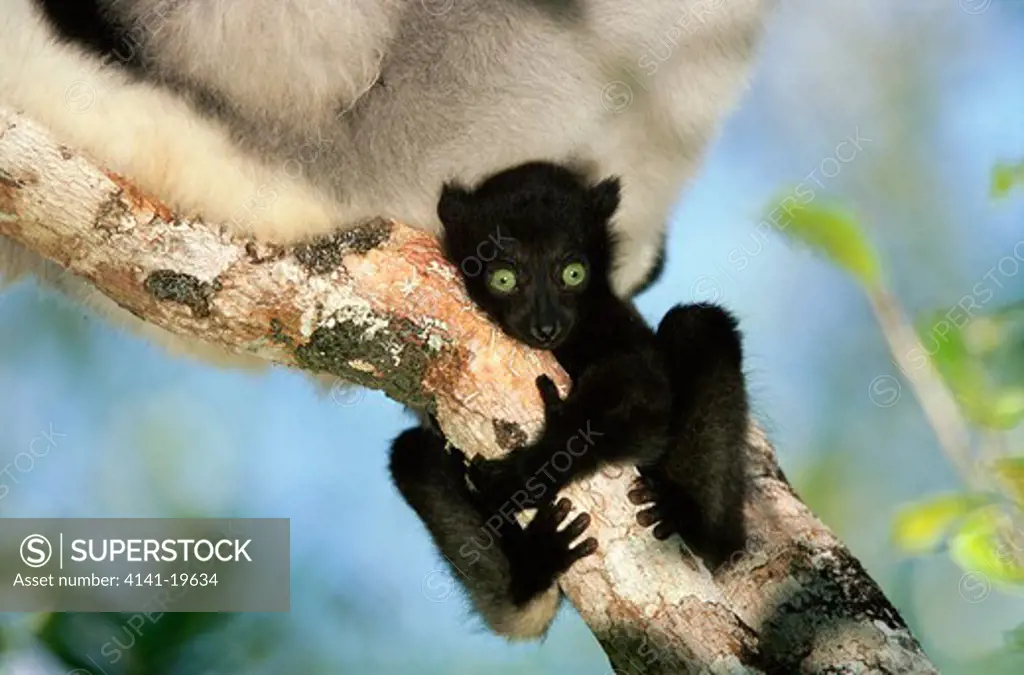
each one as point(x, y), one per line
point(648, 517)
point(548, 390)
point(552, 515)
point(641, 494)
point(586, 547)
point(578, 526)
point(663, 531)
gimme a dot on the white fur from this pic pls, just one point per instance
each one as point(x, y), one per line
point(154, 138)
point(532, 621)
point(469, 91)
point(335, 57)
point(145, 133)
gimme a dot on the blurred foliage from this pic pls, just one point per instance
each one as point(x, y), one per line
point(922, 527)
point(831, 232)
point(983, 400)
point(1015, 639)
point(126, 644)
point(983, 532)
point(986, 542)
point(1006, 177)
point(1011, 472)
point(820, 483)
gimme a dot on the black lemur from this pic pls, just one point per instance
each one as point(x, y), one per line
point(673, 403)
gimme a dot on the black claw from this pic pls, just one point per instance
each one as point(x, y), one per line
point(546, 384)
point(663, 514)
point(548, 517)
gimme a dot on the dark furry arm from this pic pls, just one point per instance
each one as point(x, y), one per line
point(618, 412)
point(509, 571)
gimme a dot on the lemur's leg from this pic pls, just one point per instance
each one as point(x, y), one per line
point(508, 571)
point(698, 489)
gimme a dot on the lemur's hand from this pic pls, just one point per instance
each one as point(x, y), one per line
point(497, 482)
point(503, 482)
point(553, 403)
point(550, 547)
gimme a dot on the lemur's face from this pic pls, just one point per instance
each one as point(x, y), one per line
point(536, 294)
point(533, 245)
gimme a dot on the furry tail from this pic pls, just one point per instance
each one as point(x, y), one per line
point(147, 134)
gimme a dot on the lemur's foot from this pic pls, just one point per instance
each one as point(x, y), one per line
point(669, 511)
point(646, 491)
point(457, 464)
point(555, 545)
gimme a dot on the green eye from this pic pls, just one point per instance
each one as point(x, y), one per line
point(502, 281)
point(574, 274)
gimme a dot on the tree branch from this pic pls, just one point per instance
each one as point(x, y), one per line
point(379, 305)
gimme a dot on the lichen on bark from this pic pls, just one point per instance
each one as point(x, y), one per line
point(390, 360)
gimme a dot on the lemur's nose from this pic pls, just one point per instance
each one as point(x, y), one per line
point(546, 332)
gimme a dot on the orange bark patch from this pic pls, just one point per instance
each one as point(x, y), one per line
point(139, 201)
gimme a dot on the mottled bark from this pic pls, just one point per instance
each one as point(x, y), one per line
point(379, 305)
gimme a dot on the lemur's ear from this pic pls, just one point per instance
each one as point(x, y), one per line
point(604, 198)
point(453, 207)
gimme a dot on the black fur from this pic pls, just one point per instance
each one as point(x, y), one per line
point(85, 23)
point(673, 403)
point(545, 217)
point(503, 565)
point(698, 489)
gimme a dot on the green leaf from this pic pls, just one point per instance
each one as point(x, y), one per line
point(985, 404)
point(1011, 471)
point(921, 527)
point(984, 334)
point(945, 343)
point(1004, 177)
point(829, 231)
point(982, 545)
point(1001, 410)
point(1008, 408)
